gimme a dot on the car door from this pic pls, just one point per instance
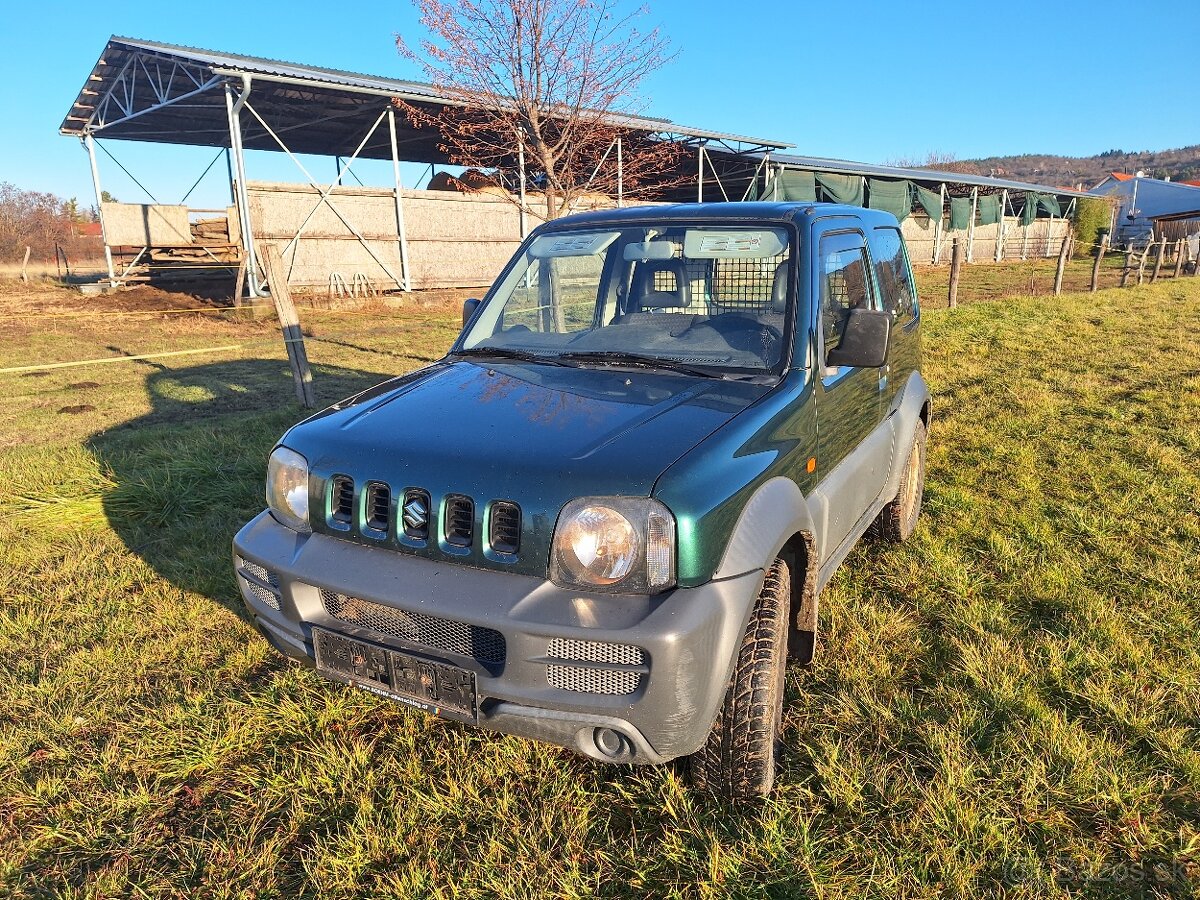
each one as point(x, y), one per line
point(854, 444)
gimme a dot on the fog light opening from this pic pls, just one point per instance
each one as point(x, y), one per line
point(612, 743)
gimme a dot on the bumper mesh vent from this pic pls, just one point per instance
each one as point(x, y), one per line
point(596, 651)
point(267, 592)
point(583, 680)
point(482, 644)
point(587, 679)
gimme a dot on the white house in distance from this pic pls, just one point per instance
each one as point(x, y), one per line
point(1141, 200)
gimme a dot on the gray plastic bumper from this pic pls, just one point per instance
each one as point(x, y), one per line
point(688, 637)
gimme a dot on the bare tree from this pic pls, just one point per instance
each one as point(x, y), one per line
point(31, 219)
point(554, 77)
point(941, 162)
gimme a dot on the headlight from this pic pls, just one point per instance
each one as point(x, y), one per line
point(287, 488)
point(619, 544)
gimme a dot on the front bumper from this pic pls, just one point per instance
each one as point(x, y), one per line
point(688, 638)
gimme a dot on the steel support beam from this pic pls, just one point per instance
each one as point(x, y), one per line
point(971, 225)
point(89, 144)
point(400, 232)
point(1000, 232)
point(241, 195)
point(939, 228)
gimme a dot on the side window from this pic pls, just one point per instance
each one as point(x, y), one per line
point(845, 283)
point(893, 275)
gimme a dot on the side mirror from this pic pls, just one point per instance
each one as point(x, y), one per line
point(864, 341)
point(469, 307)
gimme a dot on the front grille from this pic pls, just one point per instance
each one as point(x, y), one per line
point(583, 680)
point(596, 651)
point(482, 644)
point(415, 513)
point(592, 680)
point(379, 506)
point(460, 520)
point(505, 527)
point(341, 499)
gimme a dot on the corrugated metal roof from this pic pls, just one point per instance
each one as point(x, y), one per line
point(222, 63)
point(935, 176)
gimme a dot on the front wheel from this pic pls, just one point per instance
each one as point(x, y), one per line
point(738, 759)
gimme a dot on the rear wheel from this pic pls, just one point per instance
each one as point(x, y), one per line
point(898, 519)
point(738, 759)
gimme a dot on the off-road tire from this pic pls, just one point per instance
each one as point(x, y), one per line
point(898, 519)
point(737, 762)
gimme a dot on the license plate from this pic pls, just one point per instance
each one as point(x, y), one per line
point(436, 688)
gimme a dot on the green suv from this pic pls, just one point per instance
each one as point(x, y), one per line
point(604, 518)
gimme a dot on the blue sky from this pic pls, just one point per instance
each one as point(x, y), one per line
point(868, 81)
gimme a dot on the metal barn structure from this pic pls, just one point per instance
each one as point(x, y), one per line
point(148, 91)
point(336, 236)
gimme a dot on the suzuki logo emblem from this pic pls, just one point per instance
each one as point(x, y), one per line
point(416, 516)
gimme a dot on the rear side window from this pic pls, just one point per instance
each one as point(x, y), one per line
point(893, 275)
point(845, 283)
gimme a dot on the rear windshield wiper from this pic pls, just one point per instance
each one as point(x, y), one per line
point(641, 360)
point(510, 353)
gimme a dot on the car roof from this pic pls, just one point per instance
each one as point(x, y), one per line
point(757, 211)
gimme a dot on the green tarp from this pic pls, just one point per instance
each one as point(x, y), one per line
point(960, 213)
point(793, 185)
point(1047, 202)
point(989, 209)
point(891, 196)
point(846, 189)
point(931, 202)
point(1029, 213)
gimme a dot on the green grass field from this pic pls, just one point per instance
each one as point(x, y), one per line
point(1009, 705)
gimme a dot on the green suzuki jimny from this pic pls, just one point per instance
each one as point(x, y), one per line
point(604, 519)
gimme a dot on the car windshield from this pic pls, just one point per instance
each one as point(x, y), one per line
point(696, 297)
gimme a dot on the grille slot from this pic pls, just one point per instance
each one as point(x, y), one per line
point(415, 513)
point(586, 679)
point(379, 506)
point(484, 645)
point(505, 527)
point(341, 499)
point(460, 520)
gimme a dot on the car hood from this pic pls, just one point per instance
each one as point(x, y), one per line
point(534, 434)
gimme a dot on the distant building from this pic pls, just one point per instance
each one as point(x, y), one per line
point(1142, 200)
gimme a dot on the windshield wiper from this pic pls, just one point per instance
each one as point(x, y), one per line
point(510, 353)
point(641, 360)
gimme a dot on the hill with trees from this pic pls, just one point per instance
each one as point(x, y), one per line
point(1182, 164)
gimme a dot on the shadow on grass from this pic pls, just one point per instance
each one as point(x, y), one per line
point(189, 473)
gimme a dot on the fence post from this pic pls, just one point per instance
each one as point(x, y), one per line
point(25, 265)
point(289, 324)
point(1178, 258)
point(1142, 264)
point(1062, 264)
point(1158, 258)
point(1128, 267)
point(1100, 251)
point(955, 267)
